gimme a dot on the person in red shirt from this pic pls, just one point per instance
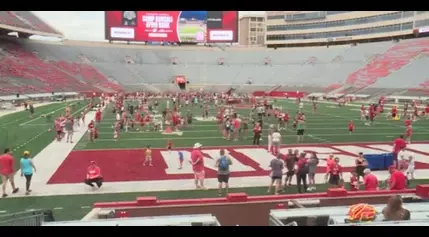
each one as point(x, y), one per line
point(7, 171)
point(169, 145)
point(142, 121)
point(236, 123)
point(286, 120)
point(398, 145)
point(93, 175)
point(335, 174)
point(351, 126)
point(301, 170)
point(408, 133)
point(91, 130)
point(407, 122)
point(394, 112)
point(354, 183)
point(329, 164)
point(257, 130)
point(398, 180)
point(197, 162)
point(427, 111)
point(370, 180)
point(98, 116)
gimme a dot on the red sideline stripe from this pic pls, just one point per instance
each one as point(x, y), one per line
point(265, 198)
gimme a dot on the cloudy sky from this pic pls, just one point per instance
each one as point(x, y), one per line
point(85, 25)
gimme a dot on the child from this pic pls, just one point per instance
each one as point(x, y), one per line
point(116, 129)
point(351, 126)
point(76, 122)
point(180, 159)
point(411, 166)
point(354, 184)
point(169, 145)
point(148, 156)
point(408, 133)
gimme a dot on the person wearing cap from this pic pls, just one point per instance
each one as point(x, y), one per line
point(27, 169)
point(94, 175)
point(197, 162)
point(370, 180)
point(397, 180)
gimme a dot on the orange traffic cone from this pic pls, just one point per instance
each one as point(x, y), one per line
point(168, 130)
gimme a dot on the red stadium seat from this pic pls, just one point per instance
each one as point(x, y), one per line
point(392, 60)
point(35, 75)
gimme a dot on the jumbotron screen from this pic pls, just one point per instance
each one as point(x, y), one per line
point(172, 26)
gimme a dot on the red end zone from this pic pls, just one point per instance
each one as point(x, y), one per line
point(127, 165)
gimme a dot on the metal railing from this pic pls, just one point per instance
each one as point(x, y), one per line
point(27, 218)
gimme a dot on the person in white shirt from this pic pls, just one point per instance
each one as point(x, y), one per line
point(227, 112)
point(411, 163)
point(276, 140)
point(168, 104)
point(270, 138)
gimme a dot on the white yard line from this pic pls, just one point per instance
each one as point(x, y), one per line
point(175, 137)
point(21, 108)
point(216, 130)
point(39, 117)
point(318, 138)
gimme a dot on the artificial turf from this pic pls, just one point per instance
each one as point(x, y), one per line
point(328, 125)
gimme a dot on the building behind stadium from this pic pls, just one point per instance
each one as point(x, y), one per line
point(251, 30)
point(310, 28)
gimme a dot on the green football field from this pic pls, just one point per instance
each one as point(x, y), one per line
point(329, 125)
point(188, 31)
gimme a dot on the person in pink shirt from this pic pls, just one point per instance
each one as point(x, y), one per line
point(236, 123)
point(58, 129)
point(197, 161)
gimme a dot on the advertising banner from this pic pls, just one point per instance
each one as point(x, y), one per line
point(172, 26)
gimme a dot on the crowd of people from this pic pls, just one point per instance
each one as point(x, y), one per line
point(233, 126)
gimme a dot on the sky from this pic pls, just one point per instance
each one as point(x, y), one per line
point(86, 25)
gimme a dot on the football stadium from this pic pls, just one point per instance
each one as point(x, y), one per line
point(327, 124)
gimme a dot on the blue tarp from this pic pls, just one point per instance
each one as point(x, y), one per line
point(379, 161)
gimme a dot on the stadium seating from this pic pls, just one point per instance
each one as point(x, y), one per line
point(27, 73)
point(25, 20)
point(366, 68)
point(384, 65)
point(35, 22)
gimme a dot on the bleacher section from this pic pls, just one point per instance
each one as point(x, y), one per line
point(22, 71)
point(374, 68)
point(26, 20)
